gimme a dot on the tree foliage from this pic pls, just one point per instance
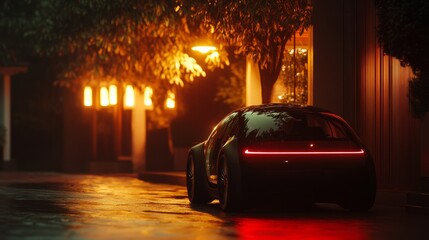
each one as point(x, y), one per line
point(13, 16)
point(232, 83)
point(402, 32)
point(259, 28)
point(125, 40)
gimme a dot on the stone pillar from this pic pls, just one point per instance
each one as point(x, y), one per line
point(253, 83)
point(138, 125)
point(5, 114)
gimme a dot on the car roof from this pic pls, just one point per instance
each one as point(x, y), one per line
point(285, 107)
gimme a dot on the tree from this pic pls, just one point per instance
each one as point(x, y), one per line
point(231, 88)
point(128, 40)
point(13, 48)
point(259, 28)
point(402, 32)
point(132, 41)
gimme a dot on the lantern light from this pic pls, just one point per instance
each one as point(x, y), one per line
point(129, 96)
point(113, 95)
point(148, 92)
point(87, 96)
point(170, 102)
point(104, 97)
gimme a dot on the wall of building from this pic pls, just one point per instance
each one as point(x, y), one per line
point(77, 150)
point(353, 78)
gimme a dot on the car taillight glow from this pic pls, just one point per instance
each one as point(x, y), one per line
point(251, 152)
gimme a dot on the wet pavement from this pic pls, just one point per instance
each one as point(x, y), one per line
point(68, 206)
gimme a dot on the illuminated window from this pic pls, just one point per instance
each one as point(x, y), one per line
point(104, 96)
point(148, 92)
point(87, 96)
point(129, 96)
point(171, 101)
point(113, 95)
point(292, 85)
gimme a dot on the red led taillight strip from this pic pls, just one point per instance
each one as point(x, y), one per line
point(249, 152)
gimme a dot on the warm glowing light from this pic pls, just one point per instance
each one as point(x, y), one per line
point(113, 95)
point(204, 49)
point(129, 96)
point(148, 92)
point(104, 96)
point(170, 102)
point(213, 58)
point(247, 151)
point(87, 96)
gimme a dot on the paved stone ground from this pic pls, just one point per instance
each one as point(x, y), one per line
point(67, 206)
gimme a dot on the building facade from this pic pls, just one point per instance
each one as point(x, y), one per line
point(352, 77)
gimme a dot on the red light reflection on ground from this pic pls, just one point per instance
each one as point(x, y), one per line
point(302, 229)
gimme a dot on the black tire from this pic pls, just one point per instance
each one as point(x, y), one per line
point(361, 196)
point(230, 186)
point(196, 181)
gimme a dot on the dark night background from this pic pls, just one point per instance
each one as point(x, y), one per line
point(37, 112)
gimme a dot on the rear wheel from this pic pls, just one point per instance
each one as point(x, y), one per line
point(195, 181)
point(230, 188)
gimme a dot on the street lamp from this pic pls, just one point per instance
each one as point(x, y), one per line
point(204, 49)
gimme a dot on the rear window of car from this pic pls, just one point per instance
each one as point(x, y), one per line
point(277, 124)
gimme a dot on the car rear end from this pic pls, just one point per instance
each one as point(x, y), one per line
point(322, 174)
point(302, 154)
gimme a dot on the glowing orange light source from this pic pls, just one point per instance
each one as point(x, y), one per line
point(148, 92)
point(129, 96)
point(87, 96)
point(247, 151)
point(113, 95)
point(104, 97)
point(170, 102)
point(204, 49)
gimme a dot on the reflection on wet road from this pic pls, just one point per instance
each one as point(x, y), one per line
point(62, 206)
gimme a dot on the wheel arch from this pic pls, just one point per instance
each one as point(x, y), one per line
point(198, 152)
point(230, 151)
point(230, 155)
point(200, 189)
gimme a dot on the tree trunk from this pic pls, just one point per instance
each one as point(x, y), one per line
point(267, 85)
point(270, 74)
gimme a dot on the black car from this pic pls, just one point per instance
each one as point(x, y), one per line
point(285, 152)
